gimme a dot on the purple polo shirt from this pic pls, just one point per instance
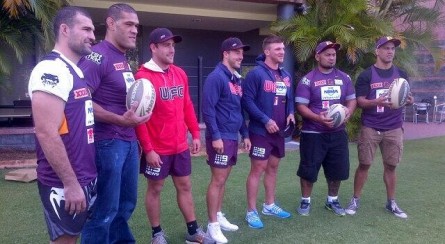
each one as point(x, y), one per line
point(319, 91)
point(109, 76)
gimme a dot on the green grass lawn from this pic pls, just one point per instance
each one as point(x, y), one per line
point(420, 193)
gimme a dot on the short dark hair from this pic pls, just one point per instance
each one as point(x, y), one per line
point(115, 10)
point(66, 15)
point(272, 39)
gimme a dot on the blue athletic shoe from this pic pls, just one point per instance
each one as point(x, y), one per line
point(253, 220)
point(276, 211)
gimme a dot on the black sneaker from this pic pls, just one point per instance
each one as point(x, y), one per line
point(335, 207)
point(394, 209)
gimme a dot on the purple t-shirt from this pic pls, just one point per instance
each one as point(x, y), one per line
point(379, 117)
point(109, 76)
point(58, 76)
point(319, 91)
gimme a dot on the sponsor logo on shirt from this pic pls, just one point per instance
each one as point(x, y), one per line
point(119, 66)
point(270, 86)
point(259, 152)
point(330, 92)
point(81, 93)
point(376, 85)
point(379, 93)
point(89, 114)
point(128, 78)
point(280, 89)
point(320, 83)
point(49, 80)
point(170, 93)
point(325, 104)
point(95, 57)
point(90, 135)
point(338, 82)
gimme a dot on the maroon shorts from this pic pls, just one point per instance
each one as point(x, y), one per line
point(179, 164)
point(224, 160)
point(264, 146)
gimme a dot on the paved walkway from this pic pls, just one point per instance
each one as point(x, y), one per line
point(423, 130)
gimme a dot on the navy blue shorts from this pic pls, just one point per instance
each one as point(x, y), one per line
point(264, 146)
point(59, 221)
point(179, 164)
point(329, 150)
point(224, 160)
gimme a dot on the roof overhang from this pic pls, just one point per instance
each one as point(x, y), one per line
point(222, 15)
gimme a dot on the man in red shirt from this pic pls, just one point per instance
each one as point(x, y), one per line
point(164, 137)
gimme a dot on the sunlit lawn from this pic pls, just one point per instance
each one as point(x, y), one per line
point(420, 193)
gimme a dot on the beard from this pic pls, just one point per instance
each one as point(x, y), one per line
point(327, 66)
point(80, 49)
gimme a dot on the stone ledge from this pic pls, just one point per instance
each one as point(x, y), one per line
point(23, 163)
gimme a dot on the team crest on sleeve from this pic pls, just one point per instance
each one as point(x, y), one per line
point(305, 81)
point(49, 80)
point(95, 57)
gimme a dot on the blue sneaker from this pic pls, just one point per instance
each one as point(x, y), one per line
point(253, 219)
point(275, 210)
point(305, 208)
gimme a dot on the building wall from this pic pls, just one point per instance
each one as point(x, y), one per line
point(202, 45)
point(431, 81)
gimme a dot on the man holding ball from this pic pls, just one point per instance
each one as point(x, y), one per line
point(315, 93)
point(381, 125)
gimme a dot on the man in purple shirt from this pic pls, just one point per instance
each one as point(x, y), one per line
point(381, 125)
point(63, 118)
point(322, 144)
point(117, 154)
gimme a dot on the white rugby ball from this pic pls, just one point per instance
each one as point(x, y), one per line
point(398, 92)
point(337, 113)
point(143, 92)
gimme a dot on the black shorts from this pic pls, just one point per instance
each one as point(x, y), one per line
point(58, 221)
point(329, 150)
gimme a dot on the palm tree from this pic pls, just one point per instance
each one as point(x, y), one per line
point(25, 27)
point(356, 24)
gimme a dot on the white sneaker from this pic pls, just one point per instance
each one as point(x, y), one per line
point(214, 230)
point(225, 224)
